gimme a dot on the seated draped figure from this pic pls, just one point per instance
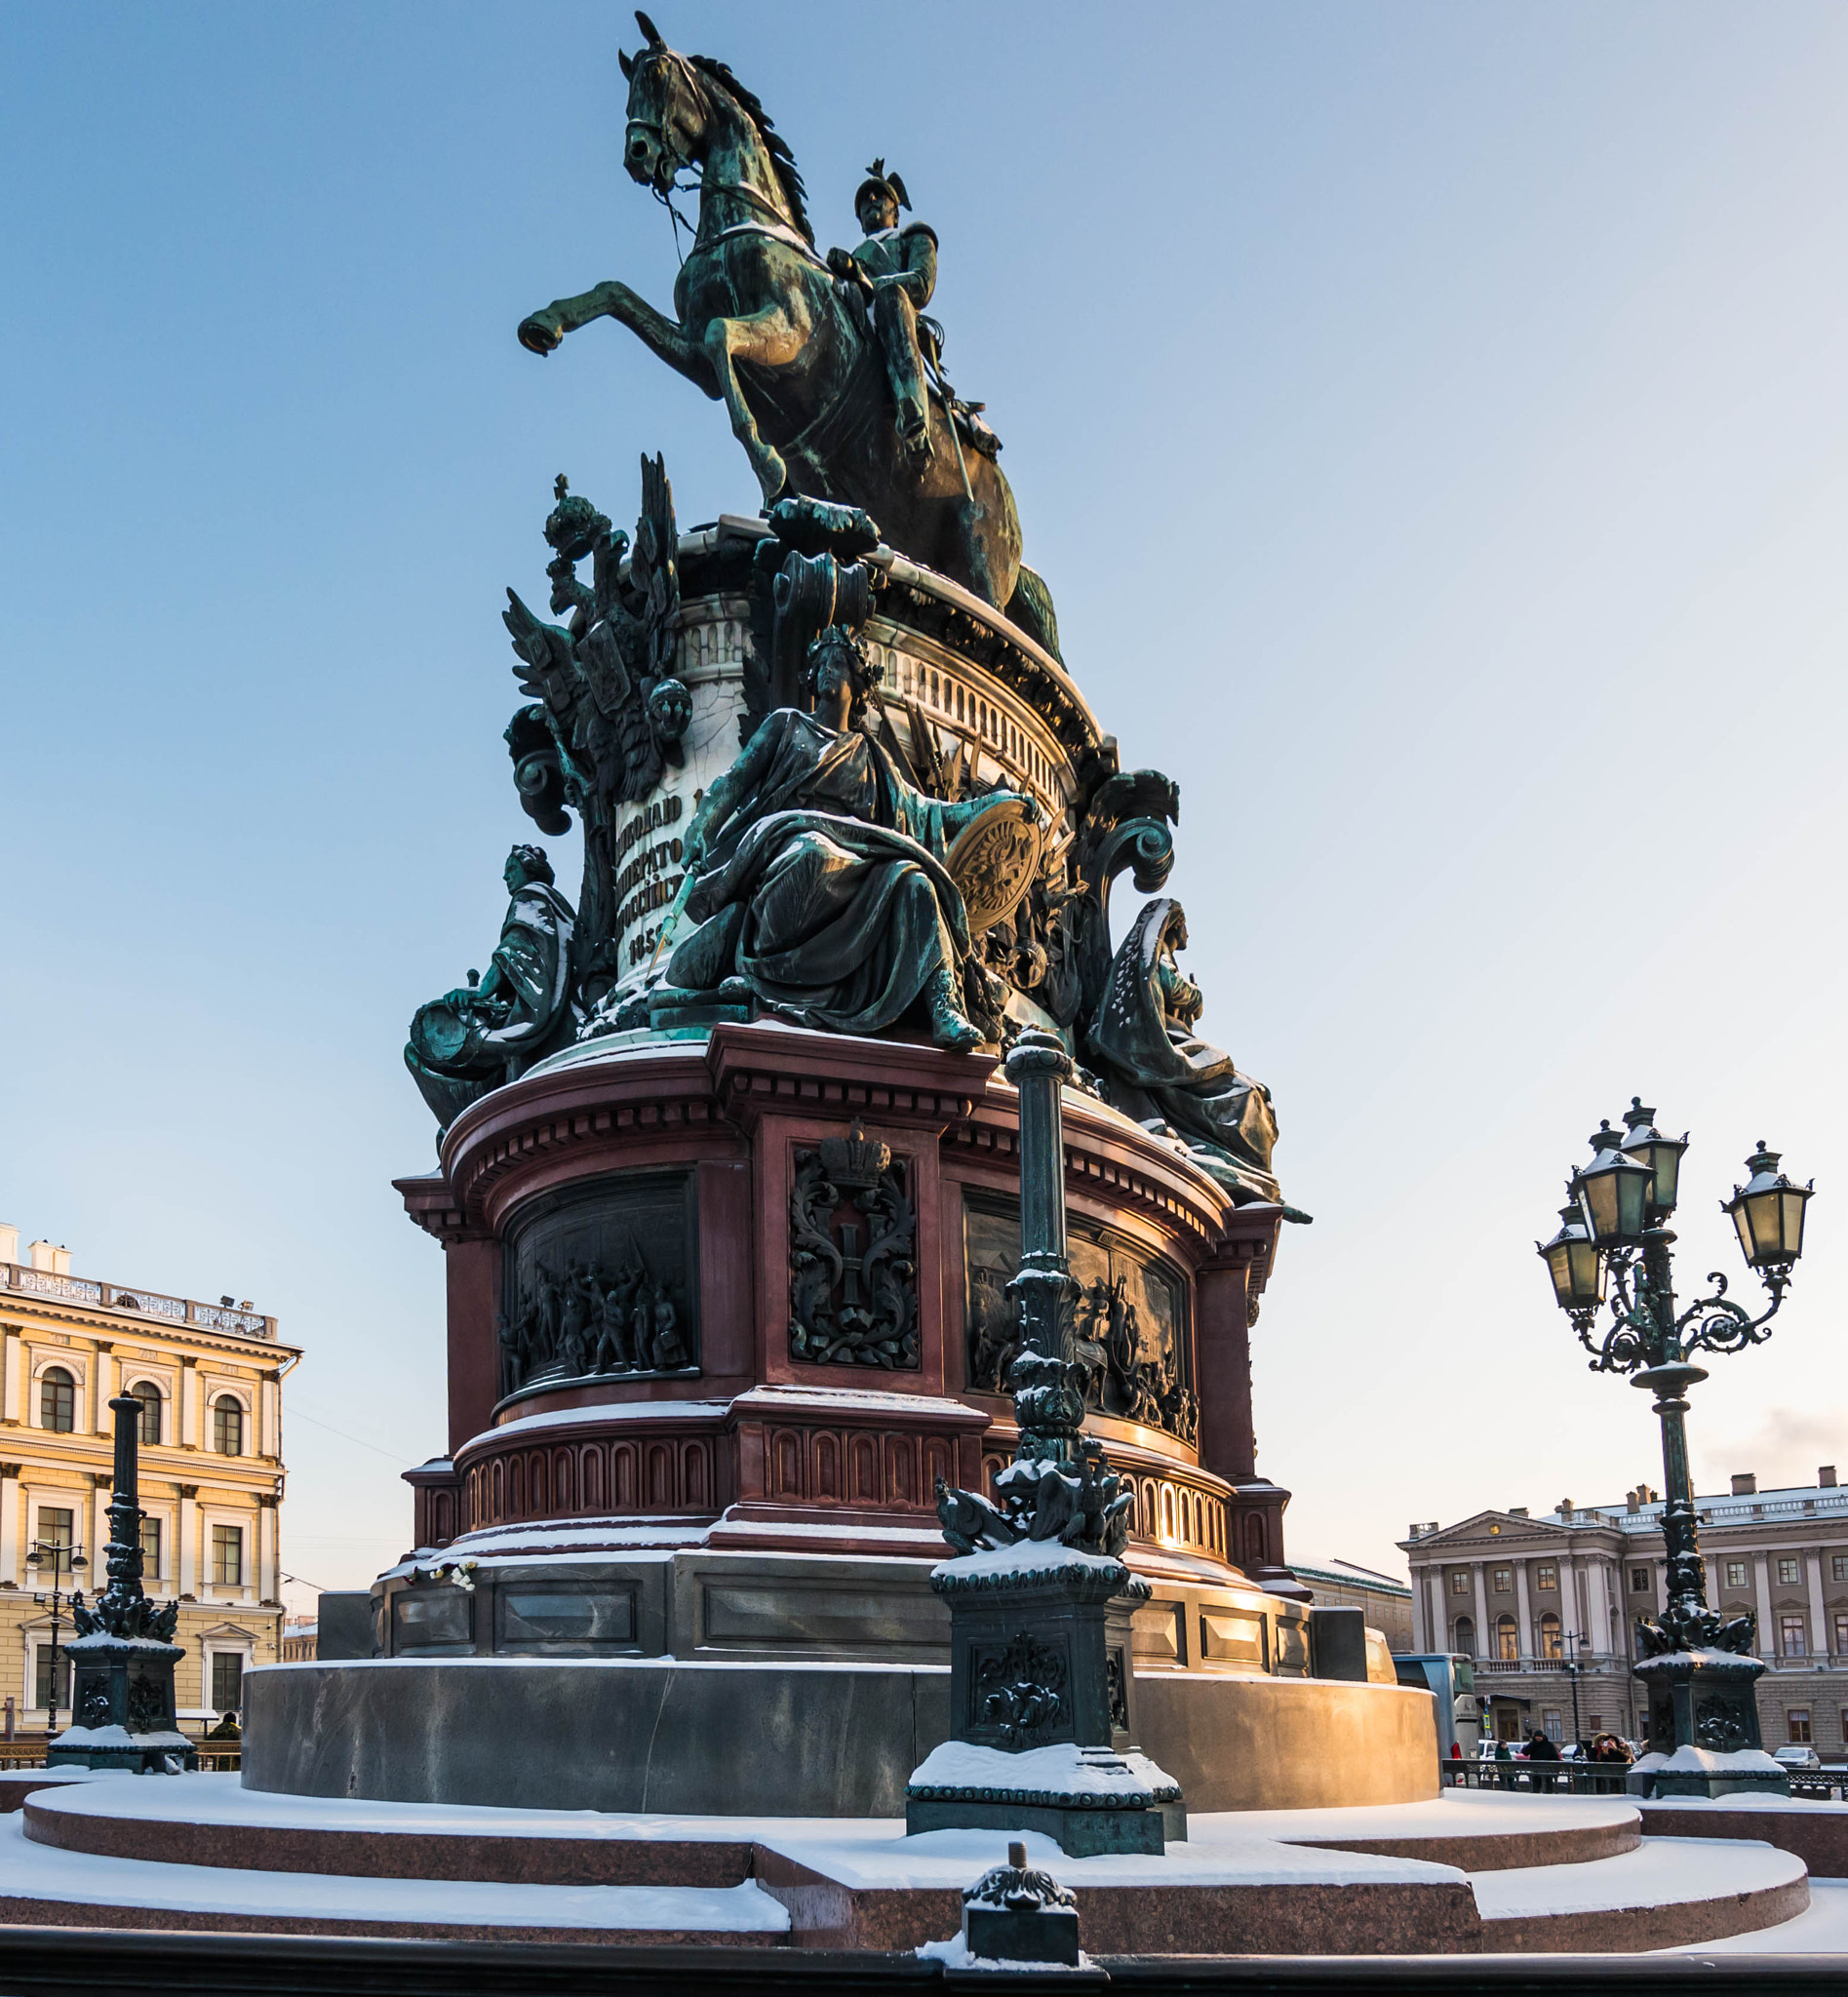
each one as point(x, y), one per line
point(821, 878)
point(1156, 1069)
point(472, 1039)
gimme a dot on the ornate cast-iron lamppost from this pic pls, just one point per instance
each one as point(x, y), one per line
point(62, 1560)
point(1698, 1670)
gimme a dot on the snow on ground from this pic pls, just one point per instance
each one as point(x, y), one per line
point(1821, 1929)
point(217, 1799)
point(42, 1872)
point(878, 1853)
point(1451, 1813)
point(1746, 1799)
point(1660, 1872)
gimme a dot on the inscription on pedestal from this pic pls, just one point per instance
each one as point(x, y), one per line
point(601, 1279)
point(1133, 1352)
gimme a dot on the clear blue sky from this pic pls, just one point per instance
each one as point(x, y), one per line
point(1430, 419)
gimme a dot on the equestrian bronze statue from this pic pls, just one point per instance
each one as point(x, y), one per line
point(804, 350)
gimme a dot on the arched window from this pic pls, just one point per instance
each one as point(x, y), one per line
point(227, 1426)
point(57, 1400)
point(1463, 1637)
point(1506, 1640)
point(1549, 1643)
point(149, 1395)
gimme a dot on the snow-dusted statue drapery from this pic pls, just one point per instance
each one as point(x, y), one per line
point(480, 1034)
point(1159, 1073)
point(821, 881)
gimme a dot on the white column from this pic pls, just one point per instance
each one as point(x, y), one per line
point(1523, 1612)
point(1767, 1632)
point(1819, 1615)
point(12, 1373)
point(188, 1538)
point(1418, 1613)
point(1598, 1586)
point(188, 1404)
point(1483, 1649)
point(101, 1421)
point(267, 1441)
point(265, 1552)
point(100, 1541)
point(1438, 1611)
point(9, 1522)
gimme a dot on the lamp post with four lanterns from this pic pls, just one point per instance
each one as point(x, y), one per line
point(1613, 1246)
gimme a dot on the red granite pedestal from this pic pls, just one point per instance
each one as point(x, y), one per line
point(748, 1501)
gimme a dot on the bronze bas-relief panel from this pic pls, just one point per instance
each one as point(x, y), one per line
point(1134, 1350)
point(601, 1279)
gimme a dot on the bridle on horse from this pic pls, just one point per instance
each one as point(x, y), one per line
point(660, 133)
point(659, 59)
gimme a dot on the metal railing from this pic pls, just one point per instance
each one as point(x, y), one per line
point(1538, 1778)
point(26, 1281)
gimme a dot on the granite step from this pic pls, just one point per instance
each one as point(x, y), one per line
point(42, 1885)
point(1666, 1893)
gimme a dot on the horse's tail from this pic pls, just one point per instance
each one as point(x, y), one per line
point(1031, 608)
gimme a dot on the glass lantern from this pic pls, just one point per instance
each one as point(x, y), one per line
point(1768, 1212)
point(1645, 1143)
point(1613, 1192)
point(1575, 1267)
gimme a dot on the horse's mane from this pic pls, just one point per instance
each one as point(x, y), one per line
point(787, 175)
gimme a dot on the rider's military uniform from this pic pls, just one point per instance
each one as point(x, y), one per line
point(899, 267)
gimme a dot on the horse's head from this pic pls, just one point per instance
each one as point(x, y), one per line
point(668, 113)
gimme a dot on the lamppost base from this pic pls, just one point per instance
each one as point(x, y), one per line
point(123, 1699)
point(1043, 1702)
point(1704, 1728)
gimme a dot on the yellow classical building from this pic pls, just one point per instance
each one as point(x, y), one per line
point(209, 1377)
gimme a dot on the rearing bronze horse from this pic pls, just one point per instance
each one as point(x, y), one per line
point(764, 324)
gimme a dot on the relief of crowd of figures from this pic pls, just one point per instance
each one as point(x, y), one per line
point(583, 1322)
point(1129, 1325)
point(581, 1294)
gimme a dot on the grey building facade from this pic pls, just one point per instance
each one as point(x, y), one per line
point(1530, 1598)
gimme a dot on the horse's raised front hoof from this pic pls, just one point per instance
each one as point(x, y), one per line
point(540, 333)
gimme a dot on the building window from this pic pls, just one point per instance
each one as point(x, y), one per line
point(150, 1548)
point(1504, 1580)
point(1459, 1584)
point(42, 1690)
point(1546, 1577)
point(1506, 1640)
point(1735, 1574)
point(1549, 1641)
point(149, 1395)
point(1838, 1566)
point(227, 1556)
point(1640, 1581)
point(227, 1678)
point(227, 1426)
point(1789, 1573)
point(1841, 1646)
point(1793, 1636)
point(1796, 1720)
point(1550, 1723)
point(57, 1400)
point(1464, 1637)
point(56, 1526)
